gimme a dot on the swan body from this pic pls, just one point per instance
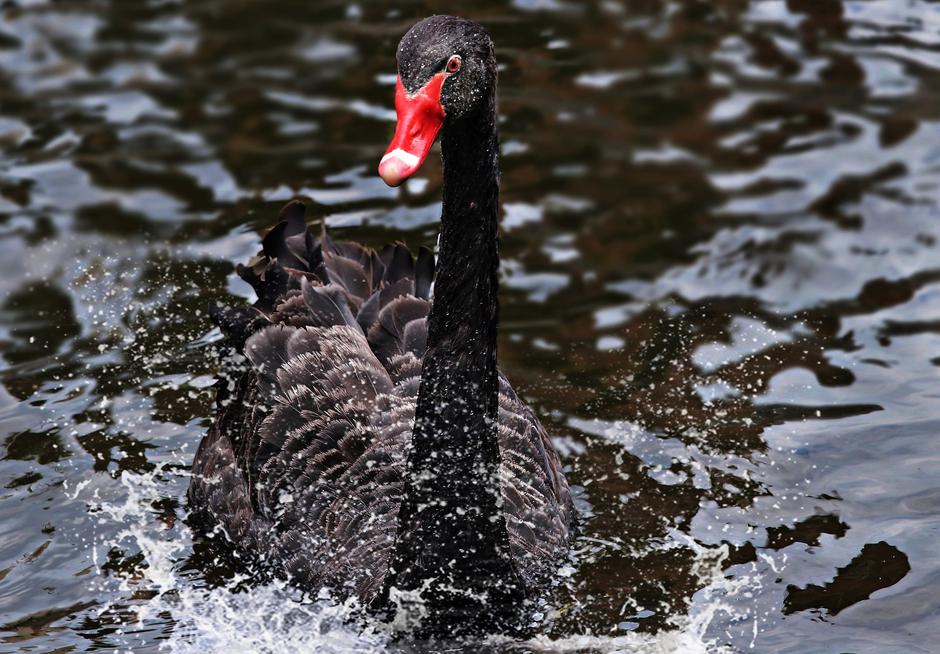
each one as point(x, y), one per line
point(364, 439)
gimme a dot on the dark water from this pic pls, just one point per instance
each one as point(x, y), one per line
point(721, 291)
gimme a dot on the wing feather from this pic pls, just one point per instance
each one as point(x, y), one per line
point(304, 463)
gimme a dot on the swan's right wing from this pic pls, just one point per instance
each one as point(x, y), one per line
point(304, 460)
point(323, 469)
point(304, 465)
point(219, 493)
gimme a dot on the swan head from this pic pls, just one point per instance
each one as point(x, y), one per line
point(446, 74)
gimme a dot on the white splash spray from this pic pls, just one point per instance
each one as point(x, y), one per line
point(274, 618)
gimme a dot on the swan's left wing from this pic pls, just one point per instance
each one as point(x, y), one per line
point(536, 500)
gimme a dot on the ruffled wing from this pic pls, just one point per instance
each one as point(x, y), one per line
point(305, 460)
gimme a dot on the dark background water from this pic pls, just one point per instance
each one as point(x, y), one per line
point(720, 291)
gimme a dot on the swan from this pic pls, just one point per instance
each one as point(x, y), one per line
point(365, 440)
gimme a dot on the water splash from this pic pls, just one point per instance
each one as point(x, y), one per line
point(273, 617)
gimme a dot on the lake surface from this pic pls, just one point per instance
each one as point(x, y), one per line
point(721, 291)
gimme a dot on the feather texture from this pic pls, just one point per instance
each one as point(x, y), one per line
point(305, 461)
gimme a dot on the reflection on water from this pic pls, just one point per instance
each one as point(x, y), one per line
point(720, 289)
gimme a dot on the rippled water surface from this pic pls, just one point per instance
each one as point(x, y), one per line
point(721, 290)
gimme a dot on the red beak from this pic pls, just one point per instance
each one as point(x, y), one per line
point(420, 117)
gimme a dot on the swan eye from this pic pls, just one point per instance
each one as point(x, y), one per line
point(453, 64)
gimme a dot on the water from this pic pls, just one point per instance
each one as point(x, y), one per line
point(720, 291)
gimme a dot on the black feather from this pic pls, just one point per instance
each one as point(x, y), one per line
point(305, 466)
point(328, 305)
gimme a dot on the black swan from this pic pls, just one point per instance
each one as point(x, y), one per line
point(366, 441)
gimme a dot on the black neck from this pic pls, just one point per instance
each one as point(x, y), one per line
point(450, 527)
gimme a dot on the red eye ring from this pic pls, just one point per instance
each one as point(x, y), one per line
point(453, 64)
